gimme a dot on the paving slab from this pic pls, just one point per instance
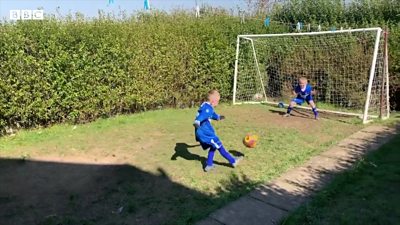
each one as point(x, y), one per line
point(328, 164)
point(248, 211)
point(209, 221)
point(307, 178)
point(360, 143)
point(345, 154)
point(282, 195)
point(368, 138)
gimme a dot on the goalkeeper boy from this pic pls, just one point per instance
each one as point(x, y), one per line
point(304, 93)
point(205, 133)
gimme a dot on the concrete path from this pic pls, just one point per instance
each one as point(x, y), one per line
point(270, 203)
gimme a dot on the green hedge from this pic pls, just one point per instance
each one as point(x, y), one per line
point(77, 70)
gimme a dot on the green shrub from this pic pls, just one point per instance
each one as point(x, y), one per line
point(77, 70)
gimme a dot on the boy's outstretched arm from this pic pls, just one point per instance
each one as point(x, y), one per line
point(215, 116)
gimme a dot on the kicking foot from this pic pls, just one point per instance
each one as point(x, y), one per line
point(237, 160)
point(208, 168)
point(286, 115)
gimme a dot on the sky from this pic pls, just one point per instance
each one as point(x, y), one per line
point(90, 7)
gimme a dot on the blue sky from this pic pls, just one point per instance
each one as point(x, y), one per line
point(91, 7)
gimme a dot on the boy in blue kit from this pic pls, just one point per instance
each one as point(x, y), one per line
point(205, 133)
point(304, 92)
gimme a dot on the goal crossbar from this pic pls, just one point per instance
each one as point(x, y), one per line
point(309, 33)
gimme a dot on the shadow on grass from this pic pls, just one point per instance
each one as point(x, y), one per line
point(236, 153)
point(277, 112)
point(295, 113)
point(50, 193)
point(182, 151)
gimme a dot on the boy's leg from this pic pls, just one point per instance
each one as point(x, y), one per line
point(217, 144)
point(314, 108)
point(291, 105)
point(210, 157)
point(226, 154)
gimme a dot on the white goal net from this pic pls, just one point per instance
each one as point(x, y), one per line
point(346, 68)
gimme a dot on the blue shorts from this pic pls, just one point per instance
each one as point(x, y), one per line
point(300, 101)
point(212, 143)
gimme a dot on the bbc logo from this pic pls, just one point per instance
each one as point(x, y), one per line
point(26, 14)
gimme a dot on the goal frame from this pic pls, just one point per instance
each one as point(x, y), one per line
point(364, 115)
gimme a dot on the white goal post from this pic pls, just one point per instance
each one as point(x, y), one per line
point(346, 68)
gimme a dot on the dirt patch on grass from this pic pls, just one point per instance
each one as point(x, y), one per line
point(264, 116)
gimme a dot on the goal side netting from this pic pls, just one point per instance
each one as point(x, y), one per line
point(347, 69)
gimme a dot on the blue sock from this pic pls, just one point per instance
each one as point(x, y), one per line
point(315, 112)
point(226, 154)
point(289, 109)
point(210, 158)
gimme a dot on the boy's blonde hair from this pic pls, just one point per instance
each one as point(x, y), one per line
point(213, 93)
point(303, 79)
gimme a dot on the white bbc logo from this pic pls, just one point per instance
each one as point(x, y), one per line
point(37, 14)
point(26, 14)
point(15, 14)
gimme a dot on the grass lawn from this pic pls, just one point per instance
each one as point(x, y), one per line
point(147, 169)
point(368, 194)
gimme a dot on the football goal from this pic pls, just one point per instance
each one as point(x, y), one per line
point(348, 70)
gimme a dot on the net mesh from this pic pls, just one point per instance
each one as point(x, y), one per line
point(337, 65)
